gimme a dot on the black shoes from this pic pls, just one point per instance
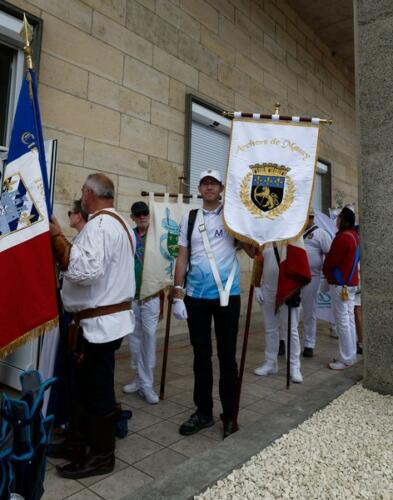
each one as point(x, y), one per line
point(308, 352)
point(195, 423)
point(229, 428)
point(94, 465)
point(281, 349)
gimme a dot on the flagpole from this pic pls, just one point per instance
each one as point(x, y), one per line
point(27, 33)
point(166, 347)
point(255, 280)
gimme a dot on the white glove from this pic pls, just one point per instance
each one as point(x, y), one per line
point(179, 309)
point(258, 295)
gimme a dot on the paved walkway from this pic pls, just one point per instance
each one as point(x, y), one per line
point(154, 449)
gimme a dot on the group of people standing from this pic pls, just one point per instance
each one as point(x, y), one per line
point(102, 275)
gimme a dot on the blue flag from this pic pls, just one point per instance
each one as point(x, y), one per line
point(27, 129)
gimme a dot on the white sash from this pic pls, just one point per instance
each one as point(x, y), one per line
point(223, 292)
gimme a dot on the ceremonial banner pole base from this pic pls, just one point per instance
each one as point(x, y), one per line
point(289, 348)
point(243, 358)
point(166, 345)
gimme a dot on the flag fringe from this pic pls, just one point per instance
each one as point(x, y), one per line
point(27, 337)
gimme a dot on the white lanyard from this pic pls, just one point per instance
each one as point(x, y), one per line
point(224, 292)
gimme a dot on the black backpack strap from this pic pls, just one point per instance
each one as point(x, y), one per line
point(309, 231)
point(191, 223)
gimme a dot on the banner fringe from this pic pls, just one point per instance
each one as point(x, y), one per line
point(249, 241)
point(27, 337)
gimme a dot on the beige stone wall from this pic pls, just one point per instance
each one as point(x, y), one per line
point(114, 75)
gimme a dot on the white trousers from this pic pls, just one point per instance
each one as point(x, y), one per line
point(309, 303)
point(142, 341)
point(344, 317)
point(274, 323)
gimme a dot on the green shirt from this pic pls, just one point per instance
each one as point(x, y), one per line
point(139, 257)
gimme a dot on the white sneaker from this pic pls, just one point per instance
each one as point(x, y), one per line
point(133, 386)
point(337, 365)
point(149, 395)
point(296, 376)
point(267, 368)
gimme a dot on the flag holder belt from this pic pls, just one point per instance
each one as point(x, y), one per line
point(94, 312)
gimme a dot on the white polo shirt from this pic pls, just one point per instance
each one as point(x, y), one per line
point(200, 280)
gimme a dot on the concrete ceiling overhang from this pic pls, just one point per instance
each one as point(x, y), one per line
point(332, 22)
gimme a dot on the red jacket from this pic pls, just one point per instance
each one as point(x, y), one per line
point(342, 256)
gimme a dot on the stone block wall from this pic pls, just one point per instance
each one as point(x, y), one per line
point(115, 73)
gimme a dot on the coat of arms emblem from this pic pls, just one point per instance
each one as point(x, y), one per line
point(169, 246)
point(17, 207)
point(267, 190)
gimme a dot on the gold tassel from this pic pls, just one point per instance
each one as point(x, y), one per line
point(344, 293)
point(27, 337)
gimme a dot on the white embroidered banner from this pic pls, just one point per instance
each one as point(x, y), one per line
point(162, 243)
point(270, 178)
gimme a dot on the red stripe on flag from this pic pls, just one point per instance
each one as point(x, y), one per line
point(28, 288)
point(294, 273)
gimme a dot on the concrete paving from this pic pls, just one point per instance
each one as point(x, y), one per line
point(155, 462)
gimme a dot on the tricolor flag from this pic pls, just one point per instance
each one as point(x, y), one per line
point(28, 305)
point(294, 272)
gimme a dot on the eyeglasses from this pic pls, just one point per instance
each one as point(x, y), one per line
point(71, 213)
point(210, 183)
point(141, 214)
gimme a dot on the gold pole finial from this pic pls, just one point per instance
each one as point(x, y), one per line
point(277, 108)
point(27, 35)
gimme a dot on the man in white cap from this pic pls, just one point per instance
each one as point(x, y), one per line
point(317, 243)
point(212, 292)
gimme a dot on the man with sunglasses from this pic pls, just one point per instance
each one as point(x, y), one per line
point(142, 342)
point(77, 216)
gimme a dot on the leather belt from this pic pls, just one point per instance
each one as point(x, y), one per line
point(94, 312)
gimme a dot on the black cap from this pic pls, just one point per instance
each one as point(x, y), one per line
point(139, 207)
point(348, 216)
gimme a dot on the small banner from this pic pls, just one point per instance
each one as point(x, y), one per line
point(162, 244)
point(270, 179)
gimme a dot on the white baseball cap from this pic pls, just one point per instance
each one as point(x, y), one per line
point(211, 173)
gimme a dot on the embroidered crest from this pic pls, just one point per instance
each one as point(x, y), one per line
point(169, 246)
point(18, 209)
point(268, 190)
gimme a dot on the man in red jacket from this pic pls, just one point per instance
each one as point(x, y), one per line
point(341, 271)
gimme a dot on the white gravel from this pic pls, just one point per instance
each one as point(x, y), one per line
point(344, 451)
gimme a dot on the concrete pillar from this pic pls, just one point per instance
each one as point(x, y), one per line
point(373, 20)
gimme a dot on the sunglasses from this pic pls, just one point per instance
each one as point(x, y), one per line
point(141, 214)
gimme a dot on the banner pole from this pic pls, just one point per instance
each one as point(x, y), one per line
point(255, 280)
point(289, 347)
point(166, 346)
point(243, 358)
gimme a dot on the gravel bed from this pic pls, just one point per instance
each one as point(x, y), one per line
point(345, 451)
